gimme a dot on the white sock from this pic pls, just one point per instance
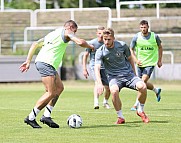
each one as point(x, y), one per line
point(33, 113)
point(105, 100)
point(155, 90)
point(96, 101)
point(140, 107)
point(119, 113)
point(48, 111)
point(137, 102)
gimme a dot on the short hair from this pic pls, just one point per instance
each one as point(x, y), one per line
point(100, 28)
point(143, 22)
point(71, 22)
point(108, 31)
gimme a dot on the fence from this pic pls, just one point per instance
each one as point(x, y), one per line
point(13, 23)
point(118, 5)
point(38, 22)
point(71, 13)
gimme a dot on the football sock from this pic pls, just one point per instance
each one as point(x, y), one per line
point(155, 90)
point(137, 102)
point(33, 113)
point(96, 101)
point(105, 100)
point(119, 113)
point(48, 111)
point(96, 97)
point(140, 107)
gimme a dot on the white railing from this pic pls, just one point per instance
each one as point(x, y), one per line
point(171, 55)
point(25, 42)
point(160, 35)
point(50, 28)
point(20, 43)
point(118, 5)
point(72, 11)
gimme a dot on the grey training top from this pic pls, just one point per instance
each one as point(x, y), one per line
point(96, 45)
point(115, 59)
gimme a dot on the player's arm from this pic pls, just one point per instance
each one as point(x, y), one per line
point(132, 49)
point(84, 63)
point(130, 59)
point(80, 42)
point(129, 56)
point(97, 67)
point(33, 48)
point(99, 84)
point(160, 51)
point(25, 66)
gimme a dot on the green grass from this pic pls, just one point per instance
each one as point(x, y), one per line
point(18, 99)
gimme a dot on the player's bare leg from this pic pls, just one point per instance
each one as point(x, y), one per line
point(117, 104)
point(96, 98)
point(50, 86)
point(150, 86)
point(57, 90)
point(142, 95)
point(106, 97)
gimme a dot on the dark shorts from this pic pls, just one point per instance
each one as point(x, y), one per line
point(145, 70)
point(103, 76)
point(45, 69)
point(128, 82)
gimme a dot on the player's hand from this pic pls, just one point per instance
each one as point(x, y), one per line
point(24, 67)
point(139, 63)
point(86, 74)
point(159, 64)
point(92, 48)
point(100, 89)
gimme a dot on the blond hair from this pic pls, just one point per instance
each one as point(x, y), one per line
point(108, 31)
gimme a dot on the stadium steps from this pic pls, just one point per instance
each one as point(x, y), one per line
point(12, 24)
point(148, 12)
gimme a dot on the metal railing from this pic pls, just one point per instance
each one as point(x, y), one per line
point(72, 12)
point(118, 5)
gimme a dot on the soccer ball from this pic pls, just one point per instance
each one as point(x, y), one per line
point(74, 121)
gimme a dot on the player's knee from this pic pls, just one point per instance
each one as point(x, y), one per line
point(114, 92)
point(141, 86)
point(107, 89)
point(60, 90)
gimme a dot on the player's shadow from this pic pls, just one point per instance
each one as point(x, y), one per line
point(174, 109)
point(134, 124)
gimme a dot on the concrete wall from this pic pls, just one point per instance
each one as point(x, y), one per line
point(168, 72)
point(9, 70)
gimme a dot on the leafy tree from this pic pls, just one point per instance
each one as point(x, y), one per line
point(32, 4)
point(21, 4)
point(68, 3)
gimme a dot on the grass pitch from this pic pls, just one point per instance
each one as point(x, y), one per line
point(18, 99)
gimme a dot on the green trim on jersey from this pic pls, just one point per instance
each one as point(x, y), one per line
point(53, 49)
point(147, 50)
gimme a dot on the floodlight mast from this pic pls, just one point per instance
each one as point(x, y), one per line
point(2, 5)
point(42, 4)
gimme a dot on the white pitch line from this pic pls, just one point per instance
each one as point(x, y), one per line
point(94, 112)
